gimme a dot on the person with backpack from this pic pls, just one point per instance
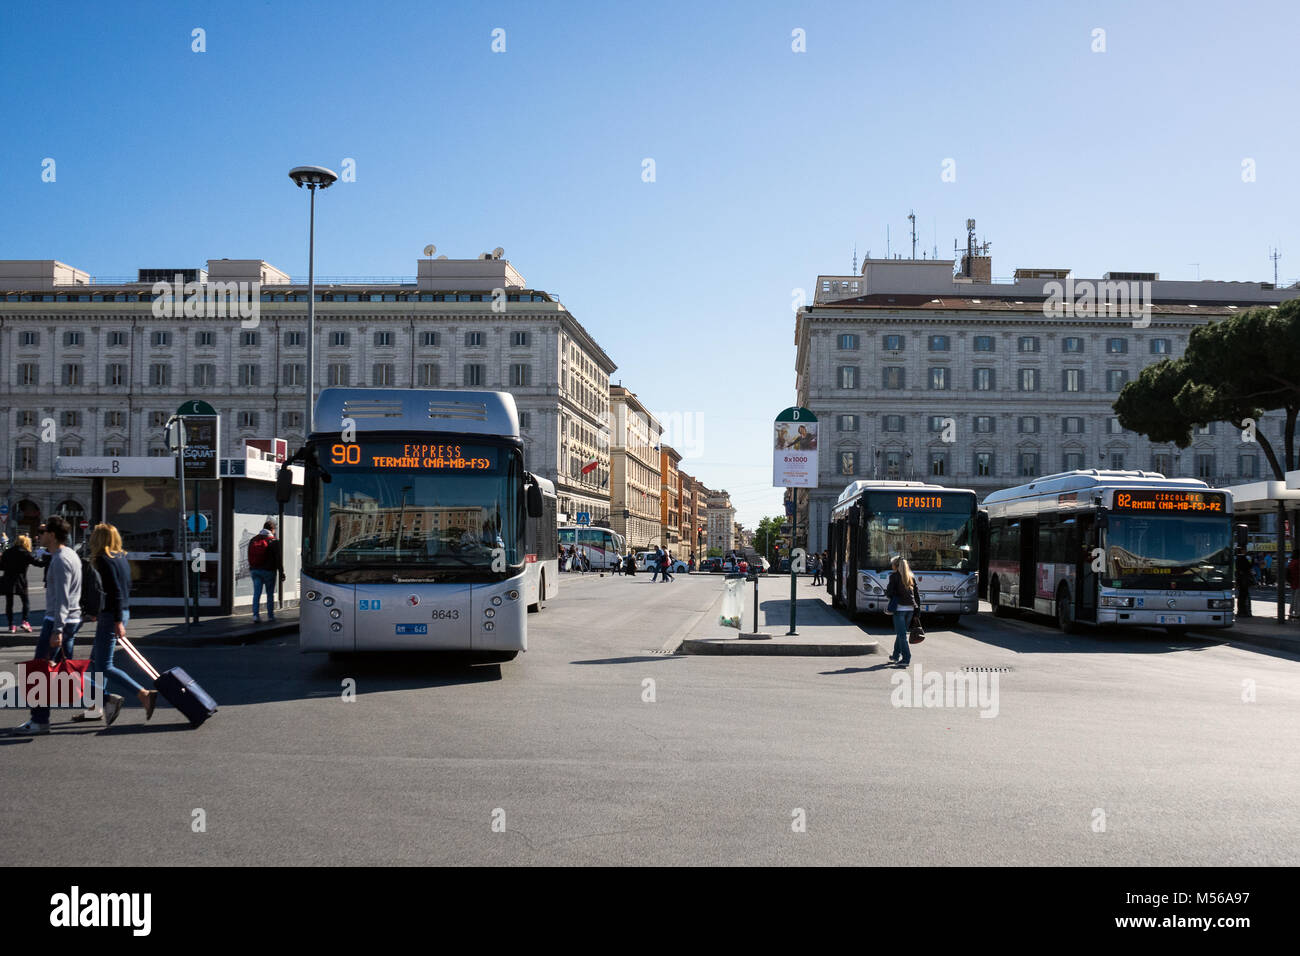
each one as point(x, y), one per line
point(265, 560)
point(14, 563)
point(106, 599)
point(62, 610)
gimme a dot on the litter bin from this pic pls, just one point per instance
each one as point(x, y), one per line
point(733, 601)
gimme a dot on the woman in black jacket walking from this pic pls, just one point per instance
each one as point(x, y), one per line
point(14, 563)
point(108, 557)
point(904, 601)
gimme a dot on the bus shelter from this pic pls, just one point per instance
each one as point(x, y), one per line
point(1272, 503)
point(141, 497)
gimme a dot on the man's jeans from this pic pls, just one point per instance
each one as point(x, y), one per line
point(41, 715)
point(264, 579)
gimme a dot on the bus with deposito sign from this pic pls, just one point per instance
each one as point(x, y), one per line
point(933, 527)
point(416, 524)
point(603, 547)
point(1112, 547)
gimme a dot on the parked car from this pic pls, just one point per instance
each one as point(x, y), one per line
point(712, 565)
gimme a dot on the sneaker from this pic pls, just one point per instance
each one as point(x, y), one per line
point(12, 629)
point(81, 718)
point(32, 728)
point(26, 627)
point(112, 707)
point(893, 658)
point(270, 618)
point(256, 619)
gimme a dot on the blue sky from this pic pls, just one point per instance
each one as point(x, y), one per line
point(769, 164)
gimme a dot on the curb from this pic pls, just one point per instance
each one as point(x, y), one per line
point(737, 646)
point(242, 636)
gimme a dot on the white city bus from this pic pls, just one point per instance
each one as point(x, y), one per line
point(542, 565)
point(1112, 547)
point(414, 530)
point(604, 548)
point(933, 527)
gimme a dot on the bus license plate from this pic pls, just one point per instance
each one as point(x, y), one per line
point(927, 608)
point(1171, 619)
point(412, 628)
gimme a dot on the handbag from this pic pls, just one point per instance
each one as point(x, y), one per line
point(55, 685)
point(916, 633)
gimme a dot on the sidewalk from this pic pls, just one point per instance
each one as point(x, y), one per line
point(821, 630)
point(1262, 630)
point(168, 630)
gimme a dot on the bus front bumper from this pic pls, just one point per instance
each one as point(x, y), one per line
point(1154, 617)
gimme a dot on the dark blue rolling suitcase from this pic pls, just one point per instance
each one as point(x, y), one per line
point(178, 687)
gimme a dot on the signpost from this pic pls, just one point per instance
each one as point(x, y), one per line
point(194, 433)
point(584, 517)
point(794, 465)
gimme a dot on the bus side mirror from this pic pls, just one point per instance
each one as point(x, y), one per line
point(284, 485)
point(1241, 534)
point(1103, 520)
point(534, 499)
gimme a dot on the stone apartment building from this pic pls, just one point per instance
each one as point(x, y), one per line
point(719, 521)
point(636, 486)
point(964, 381)
point(670, 497)
point(88, 369)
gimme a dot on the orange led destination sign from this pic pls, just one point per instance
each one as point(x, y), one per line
point(1170, 502)
point(919, 501)
point(413, 456)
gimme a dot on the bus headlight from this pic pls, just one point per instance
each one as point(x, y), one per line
point(488, 625)
point(496, 601)
point(328, 602)
point(512, 594)
point(1220, 604)
point(336, 614)
point(488, 612)
point(966, 590)
point(312, 595)
point(1113, 600)
point(336, 626)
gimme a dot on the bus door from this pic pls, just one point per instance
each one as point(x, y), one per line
point(1088, 538)
point(831, 560)
point(1028, 562)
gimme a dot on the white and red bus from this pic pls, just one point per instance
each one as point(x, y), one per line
point(1112, 547)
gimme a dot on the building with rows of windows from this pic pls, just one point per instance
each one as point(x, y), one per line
point(915, 373)
point(88, 369)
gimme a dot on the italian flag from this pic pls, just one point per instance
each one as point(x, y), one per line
point(588, 469)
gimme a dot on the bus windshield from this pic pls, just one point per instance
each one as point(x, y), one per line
point(930, 541)
point(1168, 552)
point(389, 506)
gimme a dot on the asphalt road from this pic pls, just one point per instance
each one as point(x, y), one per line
point(1127, 750)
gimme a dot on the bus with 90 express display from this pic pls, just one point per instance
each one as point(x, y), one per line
point(416, 512)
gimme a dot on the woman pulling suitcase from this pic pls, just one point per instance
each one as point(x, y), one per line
point(108, 558)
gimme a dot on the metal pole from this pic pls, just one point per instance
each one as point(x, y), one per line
point(197, 581)
point(180, 475)
point(794, 544)
point(1279, 563)
point(308, 422)
point(755, 603)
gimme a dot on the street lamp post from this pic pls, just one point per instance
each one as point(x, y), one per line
point(313, 177)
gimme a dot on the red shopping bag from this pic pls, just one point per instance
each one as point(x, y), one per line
point(47, 684)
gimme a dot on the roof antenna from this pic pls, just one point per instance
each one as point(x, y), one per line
point(855, 258)
point(911, 216)
point(1275, 256)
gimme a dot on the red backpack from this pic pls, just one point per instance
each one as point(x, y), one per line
point(258, 550)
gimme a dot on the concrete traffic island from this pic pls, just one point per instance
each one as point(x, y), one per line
point(797, 646)
point(821, 631)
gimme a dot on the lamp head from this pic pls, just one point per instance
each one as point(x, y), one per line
point(313, 176)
